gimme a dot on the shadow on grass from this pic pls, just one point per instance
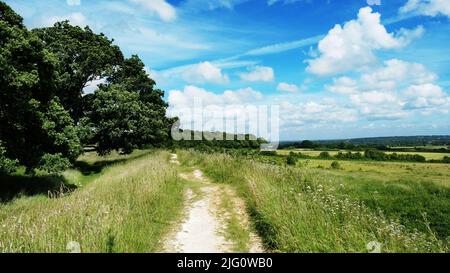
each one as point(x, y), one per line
point(87, 168)
point(14, 186)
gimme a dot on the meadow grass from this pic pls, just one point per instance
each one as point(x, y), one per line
point(234, 231)
point(302, 209)
point(127, 207)
point(418, 195)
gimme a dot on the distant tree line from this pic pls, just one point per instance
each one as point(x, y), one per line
point(216, 141)
point(362, 146)
point(45, 117)
point(369, 154)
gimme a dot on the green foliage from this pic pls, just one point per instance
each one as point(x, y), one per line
point(7, 165)
point(53, 164)
point(32, 121)
point(335, 165)
point(123, 122)
point(82, 56)
point(8, 16)
point(306, 144)
point(324, 155)
point(291, 159)
point(381, 156)
point(44, 116)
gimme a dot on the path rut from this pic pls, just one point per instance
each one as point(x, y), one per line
point(204, 226)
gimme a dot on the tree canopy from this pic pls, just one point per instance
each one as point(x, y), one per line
point(83, 56)
point(46, 118)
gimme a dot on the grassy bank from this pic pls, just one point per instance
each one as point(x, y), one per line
point(119, 204)
point(309, 210)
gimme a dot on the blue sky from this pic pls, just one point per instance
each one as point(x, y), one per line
point(338, 69)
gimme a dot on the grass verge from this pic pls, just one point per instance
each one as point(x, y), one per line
point(300, 210)
point(127, 208)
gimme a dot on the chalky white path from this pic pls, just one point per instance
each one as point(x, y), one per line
point(202, 229)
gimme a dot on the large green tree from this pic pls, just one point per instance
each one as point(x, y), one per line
point(123, 122)
point(127, 111)
point(83, 56)
point(33, 123)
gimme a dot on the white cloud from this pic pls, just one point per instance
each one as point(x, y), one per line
point(343, 85)
point(393, 90)
point(426, 7)
point(164, 10)
point(200, 73)
point(187, 97)
point(282, 47)
point(392, 75)
point(73, 2)
point(76, 19)
point(373, 98)
point(204, 72)
point(314, 111)
point(395, 73)
point(200, 109)
point(379, 105)
point(258, 74)
point(352, 46)
point(286, 87)
point(426, 96)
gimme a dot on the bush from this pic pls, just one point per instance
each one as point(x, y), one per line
point(291, 160)
point(324, 155)
point(7, 165)
point(53, 163)
point(335, 165)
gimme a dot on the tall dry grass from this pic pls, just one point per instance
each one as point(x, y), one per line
point(297, 210)
point(128, 208)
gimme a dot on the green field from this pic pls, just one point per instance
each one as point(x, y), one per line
point(315, 153)
point(128, 203)
point(310, 208)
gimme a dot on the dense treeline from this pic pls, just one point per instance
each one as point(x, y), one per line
point(216, 141)
point(46, 118)
point(381, 144)
point(369, 154)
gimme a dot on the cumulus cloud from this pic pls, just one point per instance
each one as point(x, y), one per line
point(258, 74)
point(164, 10)
point(426, 7)
point(187, 97)
point(392, 75)
point(314, 111)
point(204, 72)
point(200, 73)
point(76, 19)
point(243, 102)
point(352, 46)
point(391, 91)
point(286, 87)
point(426, 96)
point(343, 85)
point(200, 109)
